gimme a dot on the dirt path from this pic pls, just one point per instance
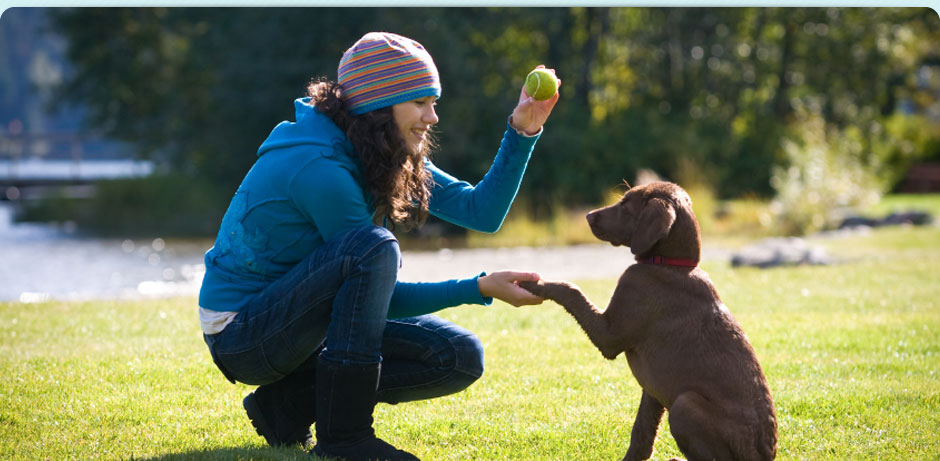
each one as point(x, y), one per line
point(565, 263)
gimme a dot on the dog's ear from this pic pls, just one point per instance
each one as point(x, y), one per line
point(652, 225)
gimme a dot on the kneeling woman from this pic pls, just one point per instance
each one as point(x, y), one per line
point(301, 293)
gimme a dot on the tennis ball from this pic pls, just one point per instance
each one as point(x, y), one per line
point(541, 84)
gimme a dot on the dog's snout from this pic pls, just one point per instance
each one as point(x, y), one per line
point(592, 218)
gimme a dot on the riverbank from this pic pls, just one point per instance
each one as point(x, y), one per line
point(84, 269)
point(51, 261)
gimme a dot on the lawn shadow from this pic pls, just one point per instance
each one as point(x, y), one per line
point(237, 453)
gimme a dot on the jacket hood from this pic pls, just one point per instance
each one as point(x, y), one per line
point(311, 128)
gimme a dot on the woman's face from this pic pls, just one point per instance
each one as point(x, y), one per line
point(415, 119)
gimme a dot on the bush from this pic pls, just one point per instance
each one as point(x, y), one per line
point(902, 140)
point(826, 173)
point(173, 205)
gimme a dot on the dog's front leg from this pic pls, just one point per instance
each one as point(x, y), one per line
point(591, 320)
point(645, 428)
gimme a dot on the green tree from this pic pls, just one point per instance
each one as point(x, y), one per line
point(709, 92)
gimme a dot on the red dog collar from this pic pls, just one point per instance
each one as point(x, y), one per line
point(668, 261)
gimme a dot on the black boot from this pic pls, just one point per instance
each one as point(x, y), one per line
point(283, 411)
point(345, 400)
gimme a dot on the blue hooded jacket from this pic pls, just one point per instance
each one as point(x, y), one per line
point(305, 188)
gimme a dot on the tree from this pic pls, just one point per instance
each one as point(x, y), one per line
point(708, 92)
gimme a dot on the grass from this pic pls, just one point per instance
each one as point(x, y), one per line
point(851, 351)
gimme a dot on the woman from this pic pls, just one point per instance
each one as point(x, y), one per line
point(301, 294)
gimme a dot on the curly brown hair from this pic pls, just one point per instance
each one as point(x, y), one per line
point(394, 176)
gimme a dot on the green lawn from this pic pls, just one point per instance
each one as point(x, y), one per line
point(852, 353)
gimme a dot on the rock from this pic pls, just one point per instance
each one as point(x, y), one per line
point(775, 252)
point(915, 218)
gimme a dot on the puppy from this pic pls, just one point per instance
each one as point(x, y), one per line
point(685, 349)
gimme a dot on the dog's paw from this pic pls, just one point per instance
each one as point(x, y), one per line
point(536, 288)
point(548, 289)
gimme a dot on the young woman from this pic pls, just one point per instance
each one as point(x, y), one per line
point(301, 295)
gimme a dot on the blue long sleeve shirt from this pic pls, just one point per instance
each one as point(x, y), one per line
point(306, 187)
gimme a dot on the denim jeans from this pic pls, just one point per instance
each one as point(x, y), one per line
point(338, 297)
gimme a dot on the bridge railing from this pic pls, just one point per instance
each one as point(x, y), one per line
point(51, 158)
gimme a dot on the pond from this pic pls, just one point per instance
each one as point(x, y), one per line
point(48, 261)
point(41, 262)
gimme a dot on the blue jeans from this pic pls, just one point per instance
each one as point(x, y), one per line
point(338, 297)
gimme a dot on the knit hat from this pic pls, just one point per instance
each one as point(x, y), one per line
point(384, 69)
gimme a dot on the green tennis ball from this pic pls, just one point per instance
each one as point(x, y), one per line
point(541, 84)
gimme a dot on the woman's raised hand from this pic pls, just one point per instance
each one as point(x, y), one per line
point(530, 114)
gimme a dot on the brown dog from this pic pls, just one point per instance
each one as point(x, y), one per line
point(684, 347)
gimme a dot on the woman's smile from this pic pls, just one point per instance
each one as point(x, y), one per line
point(415, 119)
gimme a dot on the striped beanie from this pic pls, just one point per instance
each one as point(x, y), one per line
point(384, 69)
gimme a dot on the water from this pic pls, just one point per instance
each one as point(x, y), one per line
point(39, 262)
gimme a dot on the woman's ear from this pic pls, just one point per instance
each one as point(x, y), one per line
point(652, 225)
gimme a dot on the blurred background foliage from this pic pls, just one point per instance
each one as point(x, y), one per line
point(815, 108)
